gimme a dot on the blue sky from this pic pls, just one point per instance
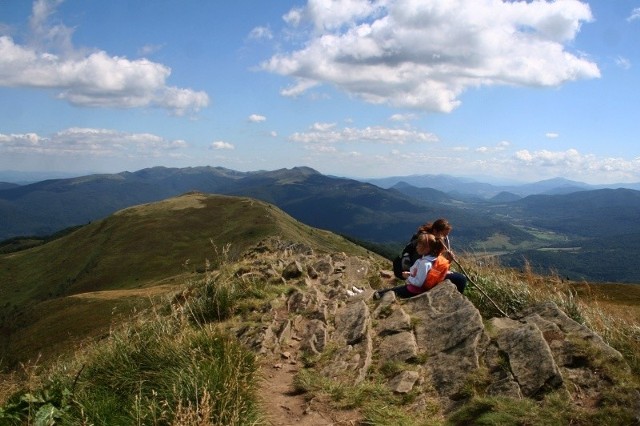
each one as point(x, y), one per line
point(515, 90)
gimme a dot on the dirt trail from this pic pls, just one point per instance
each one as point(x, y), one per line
point(284, 406)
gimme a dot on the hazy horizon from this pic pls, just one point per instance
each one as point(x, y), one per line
point(29, 177)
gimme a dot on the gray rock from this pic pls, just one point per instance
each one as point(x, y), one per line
point(444, 319)
point(537, 351)
point(400, 346)
point(449, 329)
point(404, 381)
point(352, 321)
point(529, 355)
point(315, 337)
point(292, 270)
point(396, 322)
point(323, 266)
point(547, 315)
point(505, 387)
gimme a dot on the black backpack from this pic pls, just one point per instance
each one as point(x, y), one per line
point(403, 262)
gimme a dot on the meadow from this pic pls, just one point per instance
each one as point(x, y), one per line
point(176, 363)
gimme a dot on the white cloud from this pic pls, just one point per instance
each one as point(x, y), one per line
point(221, 145)
point(293, 17)
point(94, 79)
point(572, 163)
point(149, 49)
point(261, 33)
point(500, 146)
point(328, 15)
point(635, 15)
point(498, 161)
point(623, 62)
point(180, 101)
point(326, 134)
point(402, 117)
point(301, 85)
point(551, 135)
point(255, 118)
point(425, 54)
point(325, 149)
point(322, 127)
point(44, 34)
point(90, 142)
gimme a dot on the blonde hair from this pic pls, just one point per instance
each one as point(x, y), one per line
point(425, 242)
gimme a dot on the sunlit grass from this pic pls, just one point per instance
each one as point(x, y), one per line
point(512, 290)
point(158, 369)
point(176, 364)
point(494, 289)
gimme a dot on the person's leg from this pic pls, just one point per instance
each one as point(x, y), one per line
point(399, 289)
point(458, 279)
point(379, 293)
point(402, 292)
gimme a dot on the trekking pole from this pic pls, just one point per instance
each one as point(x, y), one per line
point(479, 288)
point(448, 244)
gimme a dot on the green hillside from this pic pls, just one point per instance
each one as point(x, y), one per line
point(70, 287)
point(208, 309)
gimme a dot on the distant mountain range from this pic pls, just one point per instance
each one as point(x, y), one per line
point(465, 187)
point(345, 206)
point(559, 217)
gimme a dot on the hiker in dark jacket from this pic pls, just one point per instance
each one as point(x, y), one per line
point(423, 274)
point(439, 229)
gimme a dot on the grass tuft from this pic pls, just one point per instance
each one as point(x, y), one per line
point(153, 371)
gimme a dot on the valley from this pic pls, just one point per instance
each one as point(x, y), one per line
point(553, 230)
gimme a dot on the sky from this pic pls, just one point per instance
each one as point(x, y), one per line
point(491, 89)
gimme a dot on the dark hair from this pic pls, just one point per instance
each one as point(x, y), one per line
point(437, 247)
point(438, 227)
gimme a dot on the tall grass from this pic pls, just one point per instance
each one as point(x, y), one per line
point(161, 369)
point(157, 373)
point(513, 290)
point(176, 365)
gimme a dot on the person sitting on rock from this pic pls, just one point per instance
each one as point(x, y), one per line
point(430, 269)
point(439, 228)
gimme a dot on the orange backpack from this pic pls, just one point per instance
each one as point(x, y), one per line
point(438, 272)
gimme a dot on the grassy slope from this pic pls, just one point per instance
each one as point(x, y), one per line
point(244, 222)
point(129, 254)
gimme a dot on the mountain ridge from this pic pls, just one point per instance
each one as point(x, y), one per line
point(509, 225)
point(132, 252)
point(474, 188)
point(298, 301)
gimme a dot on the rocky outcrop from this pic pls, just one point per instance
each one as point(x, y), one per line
point(446, 349)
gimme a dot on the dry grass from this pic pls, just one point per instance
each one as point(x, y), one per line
point(158, 368)
point(610, 310)
point(57, 294)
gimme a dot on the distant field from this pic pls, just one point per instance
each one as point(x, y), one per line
point(621, 299)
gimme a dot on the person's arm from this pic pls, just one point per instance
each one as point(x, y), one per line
point(418, 272)
point(448, 254)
